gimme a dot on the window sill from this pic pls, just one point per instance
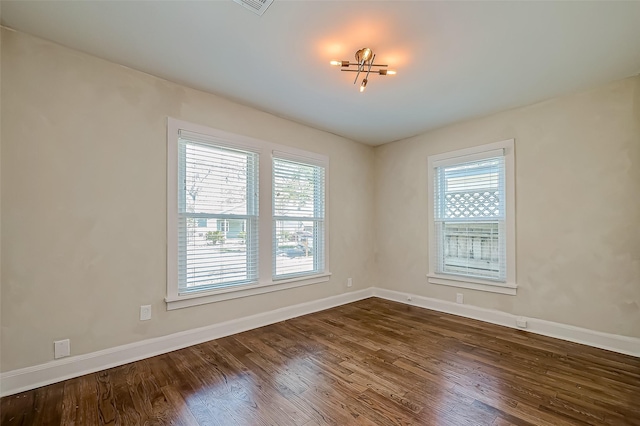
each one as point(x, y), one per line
point(201, 298)
point(473, 284)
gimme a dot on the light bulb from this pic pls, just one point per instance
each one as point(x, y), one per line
point(336, 63)
point(363, 85)
point(390, 72)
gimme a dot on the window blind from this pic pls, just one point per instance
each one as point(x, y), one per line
point(217, 215)
point(298, 218)
point(470, 214)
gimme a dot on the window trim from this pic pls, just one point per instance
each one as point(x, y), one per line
point(469, 154)
point(266, 151)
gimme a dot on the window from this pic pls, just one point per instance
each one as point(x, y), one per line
point(245, 216)
point(223, 225)
point(218, 183)
point(298, 217)
point(471, 223)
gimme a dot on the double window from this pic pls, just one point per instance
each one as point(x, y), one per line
point(223, 240)
point(471, 224)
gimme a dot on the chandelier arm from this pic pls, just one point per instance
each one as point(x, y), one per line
point(373, 65)
point(360, 66)
point(370, 64)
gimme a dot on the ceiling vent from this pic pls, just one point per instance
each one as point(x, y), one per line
point(256, 6)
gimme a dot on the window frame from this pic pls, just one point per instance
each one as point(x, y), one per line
point(320, 245)
point(508, 287)
point(266, 152)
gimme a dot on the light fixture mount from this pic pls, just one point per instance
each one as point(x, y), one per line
point(364, 64)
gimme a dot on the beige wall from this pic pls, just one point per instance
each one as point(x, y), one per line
point(84, 204)
point(577, 203)
point(84, 201)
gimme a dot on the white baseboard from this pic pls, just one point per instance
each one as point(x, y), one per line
point(612, 342)
point(28, 378)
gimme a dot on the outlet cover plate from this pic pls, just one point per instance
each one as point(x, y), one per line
point(145, 312)
point(61, 348)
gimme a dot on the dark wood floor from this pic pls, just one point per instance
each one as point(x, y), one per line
point(369, 362)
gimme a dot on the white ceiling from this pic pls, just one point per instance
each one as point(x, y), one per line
point(455, 60)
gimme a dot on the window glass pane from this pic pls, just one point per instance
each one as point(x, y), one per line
point(294, 247)
point(298, 189)
point(471, 190)
point(217, 180)
point(471, 248)
point(209, 257)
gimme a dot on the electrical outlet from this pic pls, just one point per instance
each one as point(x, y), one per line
point(145, 312)
point(521, 322)
point(61, 348)
point(349, 282)
point(459, 298)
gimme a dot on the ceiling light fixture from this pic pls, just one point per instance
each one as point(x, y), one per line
point(364, 63)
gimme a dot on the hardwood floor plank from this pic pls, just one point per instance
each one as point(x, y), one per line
point(79, 404)
point(130, 403)
point(190, 385)
point(373, 362)
point(18, 409)
point(107, 407)
point(180, 414)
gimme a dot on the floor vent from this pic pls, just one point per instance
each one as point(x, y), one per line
point(256, 6)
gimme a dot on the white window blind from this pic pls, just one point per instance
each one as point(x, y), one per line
point(298, 218)
point(217, 215)
point(470, 218)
